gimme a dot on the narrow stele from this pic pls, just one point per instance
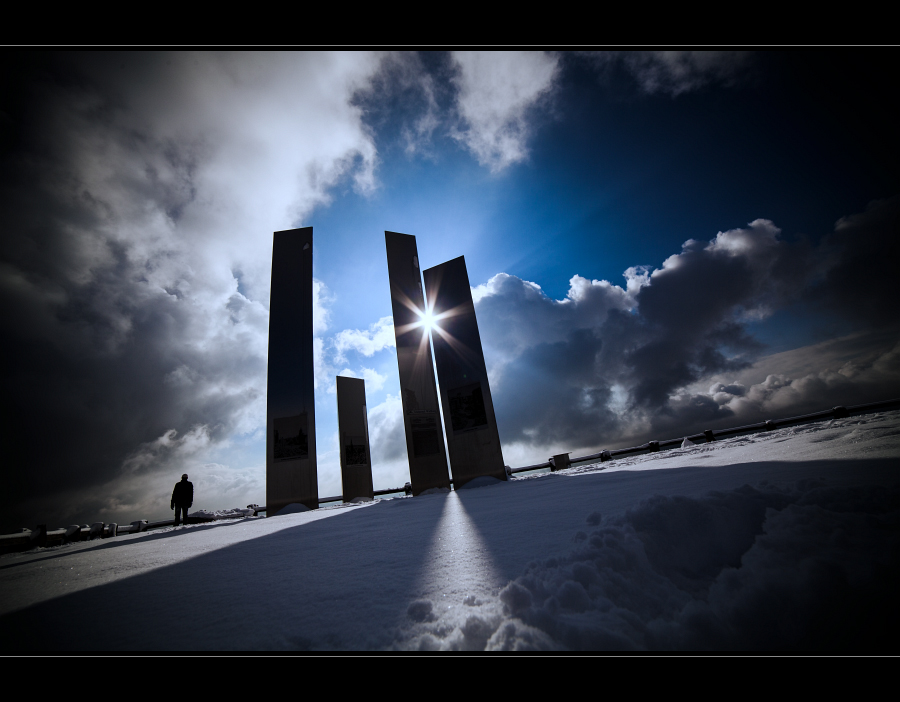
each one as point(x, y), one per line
point(353, 429)
point(473, 441)
point(291, 412)
point(421, 418)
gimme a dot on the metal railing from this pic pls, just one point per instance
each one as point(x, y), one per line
point(27, 539)
point(708, 435)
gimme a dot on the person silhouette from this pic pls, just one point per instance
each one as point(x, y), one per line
point(182, 498)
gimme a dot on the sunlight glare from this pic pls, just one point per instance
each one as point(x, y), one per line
point(428, 320)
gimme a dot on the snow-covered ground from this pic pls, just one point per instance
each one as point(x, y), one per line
point(781, 540)
point(234, 513)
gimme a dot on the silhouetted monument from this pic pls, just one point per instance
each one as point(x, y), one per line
point(424, 435)
point(291, 415)
point(353, 430)
point(472, 438)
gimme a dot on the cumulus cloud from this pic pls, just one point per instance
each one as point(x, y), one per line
point(139, 209)
point(330, 353)
point(497, 89)
point(374, 379)
point(322, 299)
point(854, 369)
point(669, 352)
point(377, 337)
point(519, 315)
point(390, 467)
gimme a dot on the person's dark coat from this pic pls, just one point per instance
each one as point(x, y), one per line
point(183, 494)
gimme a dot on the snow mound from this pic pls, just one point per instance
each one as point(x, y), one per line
point(748, 569)
point(687, 442)
point(292, 508)
point(236, 513)
point(482, 481)
point(805, 567)
point(435, 491)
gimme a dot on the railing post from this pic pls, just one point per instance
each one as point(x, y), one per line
point(73, 533)
point(605, 456)
point(710, 437)
point(559, 462)
point(39, 535)
point(653, 445)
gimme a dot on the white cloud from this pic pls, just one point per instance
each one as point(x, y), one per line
point(387, 437)
point(322, 299)
point(374, 379)
point(519, 315)
point(333, 351)
point(379, 336)
point(496, 91)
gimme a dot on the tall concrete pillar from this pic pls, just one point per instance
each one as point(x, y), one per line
point(472, 438)
point(353, 430)
point(291, 410)
point(421, 418)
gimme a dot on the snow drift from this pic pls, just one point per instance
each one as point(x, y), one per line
point(783, 540)
point(750, 569)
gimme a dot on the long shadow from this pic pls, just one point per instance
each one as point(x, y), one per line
point(341, 583)
point(547, 512)
point(344, 583)
point(120, 541)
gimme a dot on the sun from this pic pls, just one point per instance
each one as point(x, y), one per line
point(428, 321)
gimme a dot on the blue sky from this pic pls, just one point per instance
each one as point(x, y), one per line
point(141, 191)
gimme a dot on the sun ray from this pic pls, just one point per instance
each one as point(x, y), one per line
point(455, 344)
point(453, 312)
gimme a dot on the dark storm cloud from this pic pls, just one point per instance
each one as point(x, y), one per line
point(692, 308)
point(616, 365)
point(139, 193)
point(860, 260)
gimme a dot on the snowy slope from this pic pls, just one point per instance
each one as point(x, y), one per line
point(782, 540)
